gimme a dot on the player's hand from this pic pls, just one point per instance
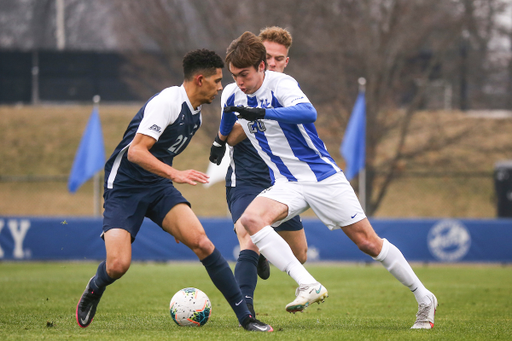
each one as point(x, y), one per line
point(217, 150)
point(190, 176)
point(248, 113)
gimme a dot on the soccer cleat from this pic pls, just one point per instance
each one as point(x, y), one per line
point(263, 267)
point(86, 307)
point(426, 313)
point(254, 325)
point(307, 294)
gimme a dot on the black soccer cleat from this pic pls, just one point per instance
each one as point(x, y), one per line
point(253, 325)
point(263, 267)
point(86, 307)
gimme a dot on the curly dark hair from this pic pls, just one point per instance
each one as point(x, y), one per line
point(201, 61)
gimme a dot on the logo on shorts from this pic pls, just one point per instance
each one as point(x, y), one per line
point(266, 190)
point(449, 240)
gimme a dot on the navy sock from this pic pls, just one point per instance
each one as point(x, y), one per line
point(223, 278)
point(246, 273)
point(101, 279)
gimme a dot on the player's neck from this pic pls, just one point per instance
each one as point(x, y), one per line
point(192, 94)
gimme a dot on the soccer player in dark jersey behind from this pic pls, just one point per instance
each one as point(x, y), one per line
point(139, 181)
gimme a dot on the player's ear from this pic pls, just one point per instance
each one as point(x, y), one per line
point(262, 66)
point(198, 79)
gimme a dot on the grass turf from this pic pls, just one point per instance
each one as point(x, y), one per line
point(38, 301)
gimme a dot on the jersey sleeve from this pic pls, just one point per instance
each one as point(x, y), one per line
point(228, 119)
point(289, 93)
point(161, 111)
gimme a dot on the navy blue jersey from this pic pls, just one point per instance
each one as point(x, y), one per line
point(169, 118)
point(247, 168)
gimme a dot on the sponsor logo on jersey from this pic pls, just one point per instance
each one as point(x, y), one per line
point(296, 99)
point(449, 240)
point(155, 128)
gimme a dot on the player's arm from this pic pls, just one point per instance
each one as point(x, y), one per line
point(218, 148)
point(236, 135)
point(138, 153)
point(300, 113)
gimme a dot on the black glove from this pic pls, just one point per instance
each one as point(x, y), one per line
point(248, 113)
point(217, 150)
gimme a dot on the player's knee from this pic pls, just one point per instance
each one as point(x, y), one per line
point(248, 220)
point(302, 256)
point(369, 247)
point(202, 246)
point(117, 268)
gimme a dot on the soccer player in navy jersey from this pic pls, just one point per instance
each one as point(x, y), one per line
point(139, 181)
point(278, 119)
point(248, 176)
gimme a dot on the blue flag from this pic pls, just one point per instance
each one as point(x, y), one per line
point(353, 148)
point(90, 156)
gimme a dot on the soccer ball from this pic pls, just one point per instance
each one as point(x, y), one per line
point(190, 307)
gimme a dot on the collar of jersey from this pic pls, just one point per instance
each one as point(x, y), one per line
point(192, 110)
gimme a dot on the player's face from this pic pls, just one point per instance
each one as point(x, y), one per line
point(277, 56)
point(211, 86)
point(248, 79)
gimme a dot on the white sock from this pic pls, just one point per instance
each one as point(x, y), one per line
point(394, 261)
point(279, 253)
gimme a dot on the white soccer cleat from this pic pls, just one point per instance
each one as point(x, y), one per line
point(307, 294)
point(426, 314)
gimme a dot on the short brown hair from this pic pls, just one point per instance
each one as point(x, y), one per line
point(247, 50)
point(276, 34)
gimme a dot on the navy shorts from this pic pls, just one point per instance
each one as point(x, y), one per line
point(240, 197)
point(126, 207)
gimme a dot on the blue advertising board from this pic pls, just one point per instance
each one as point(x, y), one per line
point(423, 240)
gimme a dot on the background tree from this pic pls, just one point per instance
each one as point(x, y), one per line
point(402, 48)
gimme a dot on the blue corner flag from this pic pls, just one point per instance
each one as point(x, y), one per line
point(353, 148)
point(90, 156)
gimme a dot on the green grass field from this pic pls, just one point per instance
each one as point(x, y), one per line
point(38, 301)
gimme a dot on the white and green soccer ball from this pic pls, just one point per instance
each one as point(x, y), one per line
point(190, 307)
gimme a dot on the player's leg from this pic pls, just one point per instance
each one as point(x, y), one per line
point(292, 231)
point(118, 247)
point(122, 218)
point(363, 235)
point(257, 218)
point(238, 198)
point(298, 243)
point(334, 201)
point(246, 266)
point(182, 223)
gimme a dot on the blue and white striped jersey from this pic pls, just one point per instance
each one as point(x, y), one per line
point(170, 119)
point(293, 152)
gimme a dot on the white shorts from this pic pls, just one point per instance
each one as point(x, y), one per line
point(333, 200)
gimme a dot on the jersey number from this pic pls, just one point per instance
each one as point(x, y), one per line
point(256, 126)
point(180, 141)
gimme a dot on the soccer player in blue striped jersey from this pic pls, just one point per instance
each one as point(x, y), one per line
point(248, 175)
point(278, 119)
point(139, 181)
